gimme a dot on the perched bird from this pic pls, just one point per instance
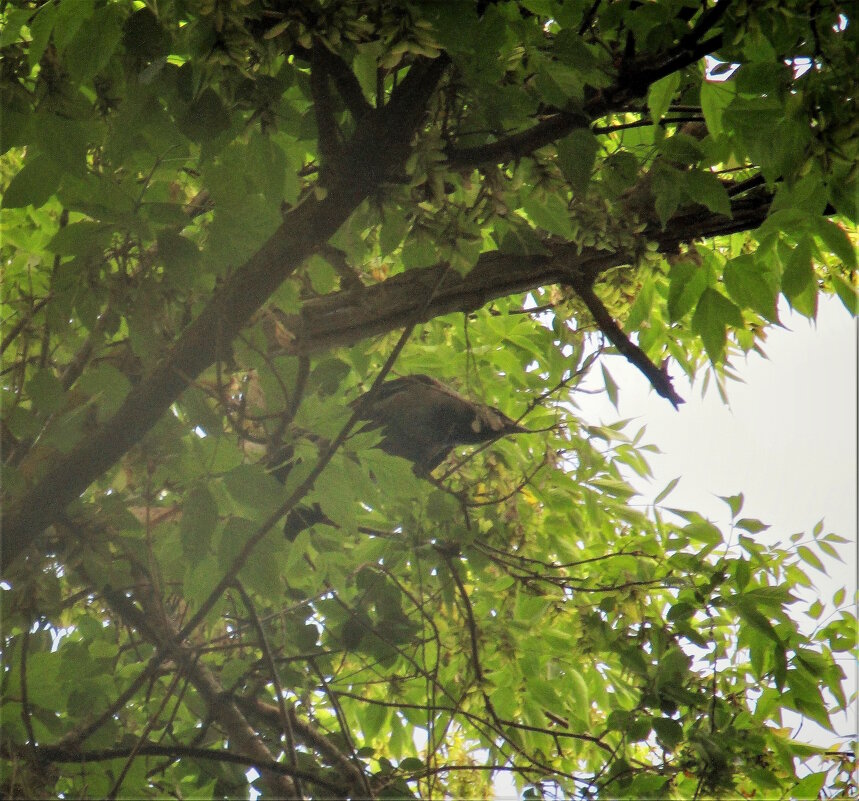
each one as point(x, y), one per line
point(422, 420)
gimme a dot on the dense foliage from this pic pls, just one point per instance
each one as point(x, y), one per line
point(225, 220)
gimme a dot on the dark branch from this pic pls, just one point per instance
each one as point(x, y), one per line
point(517, 145)
point(344, 79)
point(47, 753)
point(347, 317)
point(16, 329)
point(349, 278)
point(657, 376)
point(323, 108)
point(632, 82)
point(377, 150)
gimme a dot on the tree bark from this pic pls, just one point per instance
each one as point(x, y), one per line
point(344, 318)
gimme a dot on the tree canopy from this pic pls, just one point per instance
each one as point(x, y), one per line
point(229, 224)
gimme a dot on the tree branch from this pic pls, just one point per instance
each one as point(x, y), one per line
point(48, 753)
point(312, 738)
point(347, 317)
point(376, 151)
point(631, 83)
point(520, 144)
point(220, 705)
point(657, 376)
point(329, 135)
point(285, 719)
point(344, 79)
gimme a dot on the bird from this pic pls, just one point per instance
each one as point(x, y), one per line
point(422, 420)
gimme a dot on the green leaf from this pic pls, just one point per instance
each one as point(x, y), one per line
point(715, 98)
point(365, 65)
point(64, 140)
point(394, 228)
point(751, 615)
point(751, 525)
point(660, 94)
point(579, 700)
point(371, 720)
point(810, 558)
point(669, 488)
point(576, 156)
point(205, 118)
point(705, 188)
point(199, 520)
point(669, 732)
point(703, 531)
point(610, 386)
point(712, 316)
point(742, 573)
point(750, 288)
point(255, 489)
point(551, 214)
point(93, 45)
point(80, 239)
point(45, 391)
point(143, 36)
point(807, 697)
point(847, 293)
point(687, 281)
point(13, 20)
point(34, 183)
point(798, 273)
point(809, 787)
point(107, 386)
point(735, 503)
point(69, 19)
point(836, 239)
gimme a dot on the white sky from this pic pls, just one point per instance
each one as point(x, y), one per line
point(788, 442)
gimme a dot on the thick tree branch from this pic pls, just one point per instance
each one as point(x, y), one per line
point(326, 126)
point(345, 318)
point(377, 151)
point(310, 737)
point(162, 632)
point(520, 144)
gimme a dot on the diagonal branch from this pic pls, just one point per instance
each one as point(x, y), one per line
point(377, 150)
point(49, 754)
point(520, 144)
point(265, 647)
point(657, 376)
point(243, 739)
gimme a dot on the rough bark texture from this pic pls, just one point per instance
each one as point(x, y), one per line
point(345, 318)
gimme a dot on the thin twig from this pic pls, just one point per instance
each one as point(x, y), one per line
point(285, 722)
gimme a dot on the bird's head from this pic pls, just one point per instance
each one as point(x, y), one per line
point(489, 423)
